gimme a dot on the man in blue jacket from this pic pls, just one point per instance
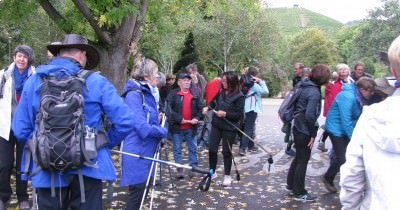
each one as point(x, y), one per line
point(100, 96)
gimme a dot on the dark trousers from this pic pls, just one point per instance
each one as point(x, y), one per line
point(339, 145)
point(249, 128)
point(297, 171)
point(70, 197)
point(135, 195)
point(227, 140)
point(324, 136)
point(6, 166)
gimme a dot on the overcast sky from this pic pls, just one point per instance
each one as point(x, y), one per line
point(341, 10)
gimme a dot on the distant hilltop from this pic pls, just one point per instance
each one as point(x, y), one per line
point(294, 19)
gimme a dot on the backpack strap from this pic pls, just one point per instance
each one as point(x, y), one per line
point(84, 74)
point(81, 186)
point(142, 96)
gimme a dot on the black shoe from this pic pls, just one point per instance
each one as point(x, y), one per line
point(329, 186)
point(305, 198)
point(253, 149)
point(290, 152)
point(242, 152)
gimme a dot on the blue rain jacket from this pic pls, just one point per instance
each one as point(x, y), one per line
point(99, 95)
point(145, 137)
point(344, 112)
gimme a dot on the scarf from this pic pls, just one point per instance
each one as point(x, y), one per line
point(20, 79)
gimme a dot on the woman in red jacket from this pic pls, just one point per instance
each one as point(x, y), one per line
point(331, 91)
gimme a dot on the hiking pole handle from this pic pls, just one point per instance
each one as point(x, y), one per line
point(199, 170)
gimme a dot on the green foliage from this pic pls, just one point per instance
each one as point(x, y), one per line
point(238, 34)
point(374, 35)
point(188, 54)
point(312, 47)
point(167, 25)
point(36, 33)
point(111, 12)
point(344, 40)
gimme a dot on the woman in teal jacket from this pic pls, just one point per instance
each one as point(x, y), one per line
point(341, 120)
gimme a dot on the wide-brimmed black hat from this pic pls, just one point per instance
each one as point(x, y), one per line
point(79, 42)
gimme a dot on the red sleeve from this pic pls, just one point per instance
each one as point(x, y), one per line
point(212, 89)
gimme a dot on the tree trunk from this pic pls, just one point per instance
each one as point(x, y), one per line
point(113, 64)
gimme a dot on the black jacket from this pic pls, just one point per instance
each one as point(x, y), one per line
point(233, 105)
point(174, 109)
point(308, 108)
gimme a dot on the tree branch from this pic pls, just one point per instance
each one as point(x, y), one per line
point(139, 20)
point(55, 16)
point(84, 9)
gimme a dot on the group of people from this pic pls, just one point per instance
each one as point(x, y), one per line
point(360, 127)
point(136, 124)
point(133, 123)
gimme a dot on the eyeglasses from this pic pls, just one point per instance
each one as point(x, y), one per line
point(360, 69)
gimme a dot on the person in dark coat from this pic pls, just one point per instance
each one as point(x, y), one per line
point(228, 105)
point(183, 109)
point(306, 113)
point(145, 138)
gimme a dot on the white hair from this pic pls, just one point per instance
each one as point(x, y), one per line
point(394, 56)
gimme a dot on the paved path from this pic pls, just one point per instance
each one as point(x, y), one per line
point(257, 188)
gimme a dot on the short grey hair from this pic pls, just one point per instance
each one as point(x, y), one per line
point(394, 56)
point(341, 66)
point(144, 68)
point(25, 49)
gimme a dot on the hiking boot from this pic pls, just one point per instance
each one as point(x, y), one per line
point(242, 152)
point(305, 198)
point(290, 152)
point(330, 187)
point(180, 174)
point(321, 146)
point(227, 181)
point(24, 205)
point(253, 149)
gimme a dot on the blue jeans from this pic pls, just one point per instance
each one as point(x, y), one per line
point(177, 139)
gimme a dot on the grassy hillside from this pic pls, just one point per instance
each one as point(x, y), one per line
point(293, 20)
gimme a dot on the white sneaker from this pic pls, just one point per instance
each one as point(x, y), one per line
point(227, 181)
point(214, 176)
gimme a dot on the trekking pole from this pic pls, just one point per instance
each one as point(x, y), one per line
point(234, 163)
point(154, 179)
point(147, 182)
point(270, 159)
point(192, 168)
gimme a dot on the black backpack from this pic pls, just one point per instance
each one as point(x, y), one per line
point(62, 142)
point(246, 82)
point(286, 109)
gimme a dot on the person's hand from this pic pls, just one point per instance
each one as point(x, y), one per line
point(311, 143)
point(194, 78)
point(220, 113)
point(194, 121)
point(205, 110)
point(256, 79)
